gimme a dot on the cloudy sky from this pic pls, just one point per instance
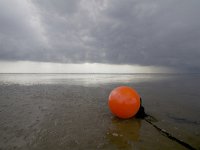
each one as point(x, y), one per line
point(99, 33)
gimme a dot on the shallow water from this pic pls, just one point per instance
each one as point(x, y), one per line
point(69, 111)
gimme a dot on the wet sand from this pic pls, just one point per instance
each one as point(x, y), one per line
point(70, 112)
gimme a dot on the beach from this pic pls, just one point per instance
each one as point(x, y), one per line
point(70, 111)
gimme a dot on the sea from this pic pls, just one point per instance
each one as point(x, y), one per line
point(70, 111)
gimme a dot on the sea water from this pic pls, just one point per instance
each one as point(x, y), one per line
point(69, 111)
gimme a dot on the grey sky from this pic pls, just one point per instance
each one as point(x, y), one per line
point(139, 32)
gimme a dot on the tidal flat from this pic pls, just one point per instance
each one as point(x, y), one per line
point(70, 111)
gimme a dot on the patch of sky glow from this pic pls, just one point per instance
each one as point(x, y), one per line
point(46, 67)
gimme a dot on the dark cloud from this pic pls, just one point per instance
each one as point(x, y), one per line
point(143, 32)
point(61, 7)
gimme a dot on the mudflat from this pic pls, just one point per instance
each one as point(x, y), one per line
point(70, 111)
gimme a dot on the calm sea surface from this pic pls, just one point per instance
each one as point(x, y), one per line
point(69, 111)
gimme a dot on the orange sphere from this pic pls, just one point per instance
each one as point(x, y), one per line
point(124, 102)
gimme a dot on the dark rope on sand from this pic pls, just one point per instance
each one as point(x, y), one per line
point(148, 118)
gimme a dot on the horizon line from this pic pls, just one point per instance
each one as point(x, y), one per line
point(98, 73)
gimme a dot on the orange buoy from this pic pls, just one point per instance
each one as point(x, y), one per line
point(124, 102)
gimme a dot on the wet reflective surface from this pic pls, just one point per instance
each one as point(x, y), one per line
point(69, 111)
point(79, 79)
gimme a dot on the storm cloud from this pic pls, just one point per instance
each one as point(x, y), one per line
point(139, 32)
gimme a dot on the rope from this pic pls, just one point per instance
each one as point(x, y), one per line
point(148, 118)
